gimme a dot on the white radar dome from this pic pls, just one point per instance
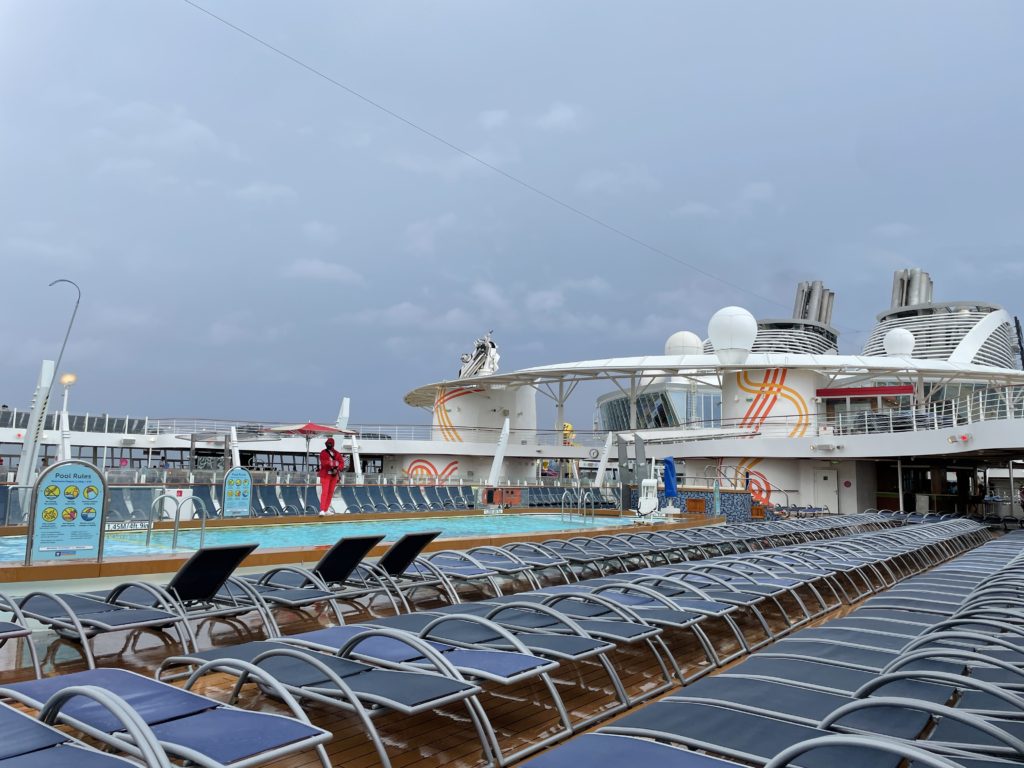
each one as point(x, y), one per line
point(732, 331)
point(684, 343)
point(899, 342)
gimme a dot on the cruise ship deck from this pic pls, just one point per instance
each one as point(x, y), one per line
point(751, 604)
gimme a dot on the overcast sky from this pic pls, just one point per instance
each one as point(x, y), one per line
point(253, 242)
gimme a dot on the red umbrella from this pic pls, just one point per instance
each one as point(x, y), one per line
point(309, 430)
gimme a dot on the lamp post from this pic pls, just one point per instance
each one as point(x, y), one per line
point(30, 446)
point(65, 421)
point(60, 356)
point(66, 381)
point(71, 322)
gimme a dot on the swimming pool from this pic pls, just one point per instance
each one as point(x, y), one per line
point(133, 543)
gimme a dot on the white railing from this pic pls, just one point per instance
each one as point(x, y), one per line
point(987, 405)
point(371, 432)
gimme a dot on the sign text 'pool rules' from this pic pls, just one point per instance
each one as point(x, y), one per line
point(69, 503)
point(236, 497)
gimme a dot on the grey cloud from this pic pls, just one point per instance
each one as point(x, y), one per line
point(175, 168)
point(559, 117)
point(263, 192)
point(320, 269)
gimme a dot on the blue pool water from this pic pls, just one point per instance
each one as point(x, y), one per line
point(133, 543)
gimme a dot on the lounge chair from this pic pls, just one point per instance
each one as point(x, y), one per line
point(410, 498)
point(81, 617)
point(542, 559)
point(188, 726)
point(203, 588)
point(268, 505)
point(311, 501)
point(602, 750)
point(291, 496)
point(17, 629)
point(348, 497)
point(30, 743)
point(397, 649)
point(758, 738)
point(332, 577)
point(203, 504)
point(402, 569)
point(338, 681)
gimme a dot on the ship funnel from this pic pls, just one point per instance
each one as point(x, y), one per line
point(813, 302)
point(911, 287)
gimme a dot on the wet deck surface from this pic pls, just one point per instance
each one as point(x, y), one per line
point(522, 715)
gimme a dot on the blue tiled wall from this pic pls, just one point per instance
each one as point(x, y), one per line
point(735, 506)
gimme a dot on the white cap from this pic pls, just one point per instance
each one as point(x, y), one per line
point(899, 342)
point(684, 343)
point(732, 331)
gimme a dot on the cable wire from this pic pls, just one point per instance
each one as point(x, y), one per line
point(479, 160)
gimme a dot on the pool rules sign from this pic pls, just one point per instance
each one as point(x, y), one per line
point(69, 503)
point(236, 495)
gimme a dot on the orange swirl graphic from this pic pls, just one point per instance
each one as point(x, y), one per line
point(444, 419)
point(766, 394)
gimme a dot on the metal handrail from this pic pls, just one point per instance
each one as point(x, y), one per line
point(152, 509)
point(202, 520)
point(722, 476)
point(583, 499)
point(566, 503)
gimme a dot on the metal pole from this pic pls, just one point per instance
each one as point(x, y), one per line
point(64, 344)
point(899, 483)
point(1012, 495)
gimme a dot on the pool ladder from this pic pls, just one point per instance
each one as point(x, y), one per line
point(197, 504)
point(578, 502)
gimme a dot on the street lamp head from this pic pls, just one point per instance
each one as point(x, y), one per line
point(68, 379)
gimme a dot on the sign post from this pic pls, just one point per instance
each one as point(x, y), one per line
point(236, 494)
point(69, 504)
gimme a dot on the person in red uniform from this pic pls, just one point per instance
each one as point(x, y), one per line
point(332, 464)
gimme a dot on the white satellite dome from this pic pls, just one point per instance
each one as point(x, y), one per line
point(684, 343)
point(899, 342)
point(732, 331)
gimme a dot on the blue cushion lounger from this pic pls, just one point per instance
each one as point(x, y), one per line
point(325, 678)
point(409, 501)
point(29, 743)
point(312, 500)
point(639, 553)
point(528, 619)
point(398, 649)
point(402, 569)
point(602, 750)
point(587, 608)
point(542, 559)
point(709, 587)
point(475, 629)
point(294, 499)
point(758, 738)
point(332, 578)
point(188, 726)
point(505, 563)
point(466, 568)
point(17, 629)
point(203, 588)
point(646, 601)
point(578, 557)
point(80, 618)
